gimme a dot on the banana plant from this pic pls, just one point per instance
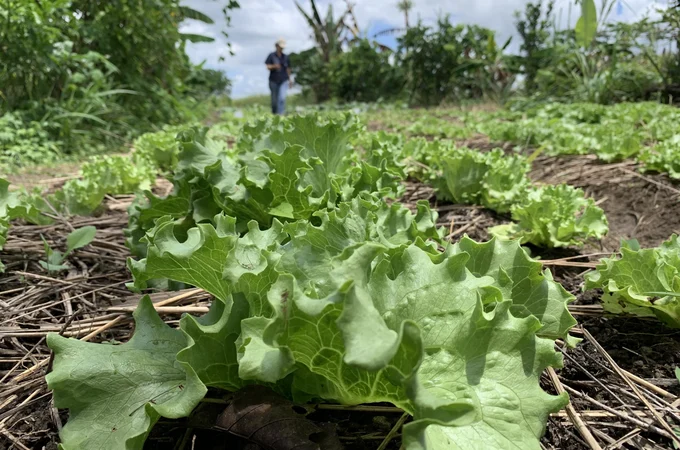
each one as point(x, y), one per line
point(190, 13)
point(328, 33)
point(586, 27)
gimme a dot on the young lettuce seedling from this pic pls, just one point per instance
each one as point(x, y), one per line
point(77, 239)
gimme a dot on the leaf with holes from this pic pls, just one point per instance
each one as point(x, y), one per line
point(115, 393)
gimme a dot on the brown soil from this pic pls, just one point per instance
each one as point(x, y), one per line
point(639, 209)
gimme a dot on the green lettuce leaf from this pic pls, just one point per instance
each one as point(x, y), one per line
point(146, 209)
point(491, 179)
point(289, 199)
point(495, 366)
point(211, 349)
point(522, 280)
point(307, 328)
point(555, 216)
point(118, 174)
point(312, 250)
point(282, 168)
point(492, 360)
point(643, 282)
point(213, 258)
point(351, 344)
point(160, 148)
point(324, 140)
point(16, 205)
point(115, 393)
point(199, 260)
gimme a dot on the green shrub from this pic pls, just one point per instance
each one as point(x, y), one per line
point(24, 142)
point(365, 74)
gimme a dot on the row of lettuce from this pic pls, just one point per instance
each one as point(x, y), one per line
point(260, 179)
point(328, 288)
point(545, 216)
point(645, 132)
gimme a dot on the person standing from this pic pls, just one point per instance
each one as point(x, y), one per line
point(278, 65)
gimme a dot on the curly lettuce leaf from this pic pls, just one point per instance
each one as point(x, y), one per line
point(312, 250)
point(211, 350)
point(327, 141)
point(118, 174)
point(555, 216)
point(289, 199)
point(198, 260)
point(522, 281)
point(494, 365)
point(213, 258)
point(479, 374)
point(283, 168)
point(359, 309)
point(492, 360)
point(16, 205)
point(307, 328)
point(492, 179)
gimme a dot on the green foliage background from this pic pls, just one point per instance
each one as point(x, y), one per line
point(84, 76)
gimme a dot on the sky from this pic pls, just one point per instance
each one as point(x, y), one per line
point(259, 23)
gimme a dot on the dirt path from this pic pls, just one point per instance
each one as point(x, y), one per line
point(43, 176)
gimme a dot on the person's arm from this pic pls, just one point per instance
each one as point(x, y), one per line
point(271, 63)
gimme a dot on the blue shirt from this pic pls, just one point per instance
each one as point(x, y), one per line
point(279, 75)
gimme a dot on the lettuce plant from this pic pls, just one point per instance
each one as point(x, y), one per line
point(118, 174)
point(356, 305)
point(113, 175)
point(554, 216)
point(642, 282)
point(664, 158)
point(324, 291)
point(159, 149)
point(490, 179)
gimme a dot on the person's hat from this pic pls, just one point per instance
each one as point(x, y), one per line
point(281, 43)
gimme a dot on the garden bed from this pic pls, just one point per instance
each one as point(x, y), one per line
point(619, 377)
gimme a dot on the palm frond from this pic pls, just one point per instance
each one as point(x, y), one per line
point(190, 13)
point(196, 38)
point(316, 28)
point(389, 31)
point(315, 11)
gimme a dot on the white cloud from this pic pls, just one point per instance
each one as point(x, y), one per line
point(259, 23)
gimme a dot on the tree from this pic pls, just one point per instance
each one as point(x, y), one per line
point(405, 6)
point(533, 28)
